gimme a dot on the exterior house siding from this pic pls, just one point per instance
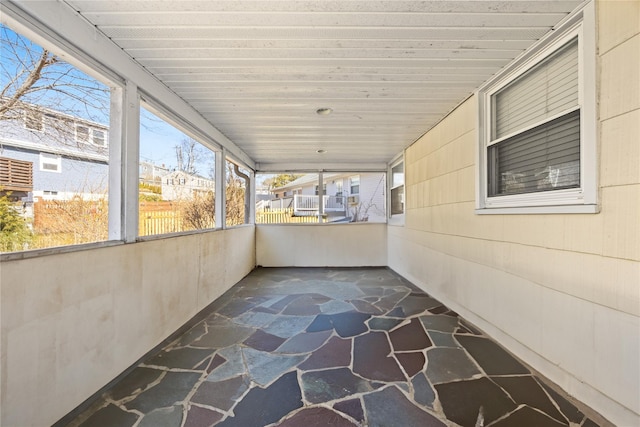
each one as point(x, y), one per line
point(562, 291)
point(76, 176)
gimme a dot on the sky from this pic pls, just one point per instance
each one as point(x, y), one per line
point(85, 97)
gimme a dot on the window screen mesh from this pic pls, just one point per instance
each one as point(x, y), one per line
point(544, 158)
point(544, 91)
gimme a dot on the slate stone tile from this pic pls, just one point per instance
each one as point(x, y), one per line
point(423, 393)
point(267, 310)
point(215, 362)
point(163, 417)
point(223, 336)
point(440, 323)
point(193, 334)
point(110, 416)
point(265, 367)
point(416, 303)
point(572, 413)
point(451, 313)
point(334, 289)
point(383, 323)
point(173, 388)
point(470, 327)
point(350, 324)
point(264, 341)
point(365, 307)
point(185, 358)
point(221, 394)
point(201, 417)
point(411, 362)
point(490, 356)
point(462, 400)
point(371, 358)
point(438, 310)
point(204, 365)
point(449, 364)
point(410, 337)
point(288, 326)
point(263, 406)
point(235, 307)
point(397, 312)
point(232, 367)
point(304, 342)
point(389, 302)
point(322, 322)
point(527, 417)
point(327, 385)
point(306, 305)
point(389, 407)
point(138, 380)
point(316, 417)
point(351, 407)
point(336, 306)
point(442, 339)
point(255, 319)
point(335, 353)
point(589, 423)
point(525, 390)
point(284, 301)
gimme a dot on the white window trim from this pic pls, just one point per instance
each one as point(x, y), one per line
point(581, 24)
point(397, 219)
point(91, 139)
point(44, 158)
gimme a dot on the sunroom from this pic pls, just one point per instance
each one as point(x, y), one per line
point(408, 182)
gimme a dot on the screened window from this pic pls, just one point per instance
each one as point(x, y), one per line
point(538, 134)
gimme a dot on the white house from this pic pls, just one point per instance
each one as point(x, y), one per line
point(180, 185)
point(351, 197)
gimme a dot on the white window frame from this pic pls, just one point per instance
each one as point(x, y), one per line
point(581, 24)
point(351, 185)
point(52, 159)
point(91, 138)
point(393, 186)
point(396, 219)
point(77, 134)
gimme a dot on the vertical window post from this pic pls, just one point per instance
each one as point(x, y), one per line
point(123, 163)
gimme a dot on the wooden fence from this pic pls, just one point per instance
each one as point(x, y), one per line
point(284, 216)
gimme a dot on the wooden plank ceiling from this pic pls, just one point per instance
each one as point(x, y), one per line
point(259, 70)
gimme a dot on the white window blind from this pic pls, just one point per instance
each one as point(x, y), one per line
point(544, 158)
point(546, 90)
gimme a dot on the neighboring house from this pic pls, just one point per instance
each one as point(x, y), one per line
point(346, 196)
point(152, 174)
point(180, 185)
point(68, 155)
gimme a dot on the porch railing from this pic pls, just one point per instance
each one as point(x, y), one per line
point(305, 205)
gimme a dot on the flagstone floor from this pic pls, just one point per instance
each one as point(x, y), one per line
point(331, 347)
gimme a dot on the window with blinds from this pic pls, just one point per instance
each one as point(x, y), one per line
point(535, 128)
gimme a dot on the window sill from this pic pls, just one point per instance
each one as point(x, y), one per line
point(532, 210)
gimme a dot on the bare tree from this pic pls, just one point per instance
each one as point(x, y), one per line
point(33, 78)
point(190, 154)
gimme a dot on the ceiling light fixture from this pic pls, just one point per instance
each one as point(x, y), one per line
point(321, 151)
point(324, 111)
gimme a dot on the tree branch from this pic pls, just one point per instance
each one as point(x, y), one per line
point(31, 80)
